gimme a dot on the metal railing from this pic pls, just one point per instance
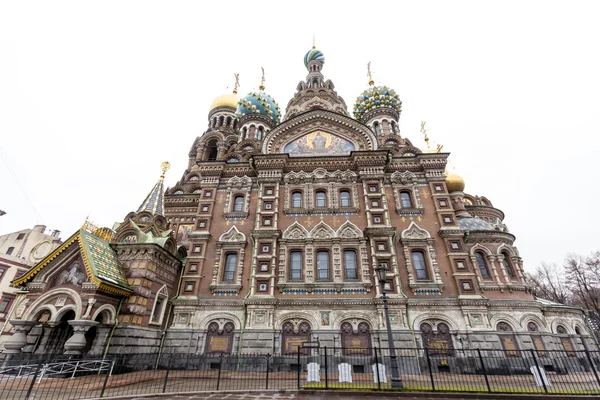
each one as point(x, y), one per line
point(448, 370)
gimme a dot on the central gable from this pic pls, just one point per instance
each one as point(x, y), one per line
point(319, 133)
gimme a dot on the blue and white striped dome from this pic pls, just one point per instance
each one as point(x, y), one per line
point(314, 55)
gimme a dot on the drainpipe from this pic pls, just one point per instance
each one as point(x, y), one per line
point(412, 331)
point(164, 331)
point(112, 331)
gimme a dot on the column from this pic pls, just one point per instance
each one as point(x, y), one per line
point(19, 339)
point(77, 342)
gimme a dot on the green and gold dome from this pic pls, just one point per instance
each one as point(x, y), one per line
point(376, 97)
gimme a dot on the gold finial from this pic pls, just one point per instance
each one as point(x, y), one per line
point(438, 147)
point(165, 167)
point(424, 132)
point(237, 83)
point(314, 41)
point(262, 79)
point(371, 81)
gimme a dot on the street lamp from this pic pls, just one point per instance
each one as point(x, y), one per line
point(396, 378)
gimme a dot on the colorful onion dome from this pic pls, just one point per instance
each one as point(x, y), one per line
point(376, 97)
point(226, 100)
point(258, 103)
point(314, 55)
point(454, 183)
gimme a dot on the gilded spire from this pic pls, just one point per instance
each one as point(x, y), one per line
point(154, 201)
point(262, 79)
point(314, 42)
point(236, 85)
point(438, 147)
point(370, 75)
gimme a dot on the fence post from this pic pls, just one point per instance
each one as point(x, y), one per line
point(326, 369)
point(587, 353)
point(267, 385)
point(487, 382)
point(219, 375)
point(167, 373)
point(430, 370)
point(539, 370)
point(108, 373)
point(37, 370)
point(377, 369)
point(299, 367)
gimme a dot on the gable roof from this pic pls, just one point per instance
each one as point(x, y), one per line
point(100, 262)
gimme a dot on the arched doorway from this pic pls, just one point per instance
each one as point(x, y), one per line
point(536, 338)
point(358, 342)
point(219, 341)
point(59, 334)
point(438, 341)
point(508, 339)
point(293, 335)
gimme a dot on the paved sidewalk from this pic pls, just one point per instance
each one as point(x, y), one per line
point(335, 395)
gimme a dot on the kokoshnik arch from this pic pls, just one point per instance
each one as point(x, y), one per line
point(271, 238)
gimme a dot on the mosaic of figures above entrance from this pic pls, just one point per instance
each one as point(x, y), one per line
point(319, 143)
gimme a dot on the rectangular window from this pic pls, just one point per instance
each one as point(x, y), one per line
point(4, 304)
point(10, 250)
point(321, 199)
point(323, 265)
point(418, 258)
point(345, 198)
point(296, 265)
point(350, 264)
point(230, 267)
point(21, 236)
point(297, 200)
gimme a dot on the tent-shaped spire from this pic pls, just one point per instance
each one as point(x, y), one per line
point(154, 201)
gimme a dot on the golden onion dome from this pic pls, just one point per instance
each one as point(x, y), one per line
point(455, 183)
point(226, 100)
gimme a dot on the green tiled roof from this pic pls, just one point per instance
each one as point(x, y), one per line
point(103, 261)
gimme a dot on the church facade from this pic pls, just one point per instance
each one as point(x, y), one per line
point(271, 239)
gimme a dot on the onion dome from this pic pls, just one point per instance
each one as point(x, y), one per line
point(376, 97)
point(226, 100)
point(455, 183)
point(258, 103)
point(314, 55)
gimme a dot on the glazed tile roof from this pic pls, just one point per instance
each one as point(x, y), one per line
point(154, 201)
point(103, 260)
point(474, 224)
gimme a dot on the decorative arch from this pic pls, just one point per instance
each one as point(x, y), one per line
point(297, 316)
point(505, 247)
point(322, 231)
point(349, 231)
point(355, 318)
point(45, 307)
point(480, 247)
point(559, 321)
point(506, 318)
point(435, 318)
point(63, 310)
point(233, 235)
point(529, 317)
point(295, 232)
point(415, 232)
point(221, 318)
point(33, 308)
point(108, 310)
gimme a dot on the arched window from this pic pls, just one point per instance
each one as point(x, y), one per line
point(213, 150)
point(565, 340)
point(323, 265)
point(482, 265)
point(377, 129)
point(160, 304)
point(536, 338)
point(577, 330)
point(292, 339)
point(394, 127)
point(344, 198)
point(238, 203)
point(214, 123)
point(350, 264)
point(244, 133)
point(321, 199)
point(230, 267)
point(228, 123)
point(261, 130)
point(508, 265)
point(296, 265)
point(508, 339)
point(297, 200)
point(418, 259)
point(315, 83)
point(235, 124)
point(358, 342)
point(252, 132)
point(221, 119)
point(219, 341)
point(405, 200)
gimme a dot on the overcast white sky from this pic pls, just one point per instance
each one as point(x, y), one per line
point(95, 95)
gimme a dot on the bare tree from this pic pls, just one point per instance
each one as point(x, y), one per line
point(548, 282)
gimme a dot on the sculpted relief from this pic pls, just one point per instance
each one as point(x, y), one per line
point(319, 143)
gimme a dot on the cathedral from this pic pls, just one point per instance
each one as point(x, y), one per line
point(272, 236)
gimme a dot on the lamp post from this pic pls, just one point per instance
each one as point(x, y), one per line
point(396, 378)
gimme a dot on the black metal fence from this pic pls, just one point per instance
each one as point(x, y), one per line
point(474, 370)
